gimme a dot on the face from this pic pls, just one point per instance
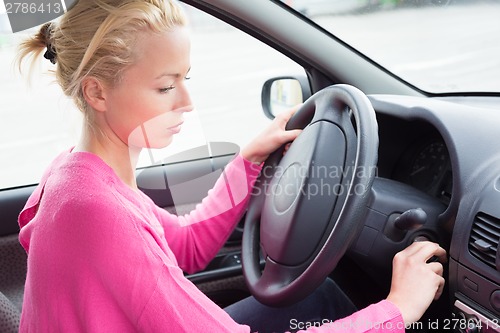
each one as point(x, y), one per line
point(145, 109)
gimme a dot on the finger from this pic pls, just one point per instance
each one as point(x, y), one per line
point(440, 289)
point(426, 250)
point(440, 254)
point(287, 146)
point(286, 115)
point(414, 248)
point(291, 135)
point(436, 267)
point(295, 109)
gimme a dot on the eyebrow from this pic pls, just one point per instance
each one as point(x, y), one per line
point(167, 74)
point(174, 75)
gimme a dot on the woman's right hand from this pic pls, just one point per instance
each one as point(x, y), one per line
point(415, 281)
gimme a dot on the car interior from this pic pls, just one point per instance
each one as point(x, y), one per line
point(436, 176)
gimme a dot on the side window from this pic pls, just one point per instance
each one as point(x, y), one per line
point(37, 121)
point(228, 70)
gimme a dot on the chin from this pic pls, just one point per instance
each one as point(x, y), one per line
point(159, 144)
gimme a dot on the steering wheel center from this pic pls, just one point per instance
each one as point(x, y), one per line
point(289, 187)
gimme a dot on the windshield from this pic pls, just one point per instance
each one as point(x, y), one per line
point(436, 45)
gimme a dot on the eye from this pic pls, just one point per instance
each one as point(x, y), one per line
point(166, 89)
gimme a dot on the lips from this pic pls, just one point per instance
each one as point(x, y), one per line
point(176, 128)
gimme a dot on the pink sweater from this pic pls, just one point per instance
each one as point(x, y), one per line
point(104, 258)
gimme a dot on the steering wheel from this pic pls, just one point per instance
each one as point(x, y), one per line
point(308, 205)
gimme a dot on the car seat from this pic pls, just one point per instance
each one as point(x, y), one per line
point(9, 316)
point(12, 277)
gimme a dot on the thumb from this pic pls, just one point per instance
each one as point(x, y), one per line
point(291, 135)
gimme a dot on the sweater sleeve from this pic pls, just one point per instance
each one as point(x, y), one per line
point(176, 305)
point(195, 238)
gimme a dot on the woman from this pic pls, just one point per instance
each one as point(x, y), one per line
point(102, 257)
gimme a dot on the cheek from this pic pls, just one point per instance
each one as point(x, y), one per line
point(125, 116)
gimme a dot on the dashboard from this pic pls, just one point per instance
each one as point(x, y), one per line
point(427, 166)
point(443, 153)
point(414, 153)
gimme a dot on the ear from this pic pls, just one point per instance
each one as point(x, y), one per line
point(93, 92)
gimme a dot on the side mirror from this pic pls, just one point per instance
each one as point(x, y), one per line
point(281, 93)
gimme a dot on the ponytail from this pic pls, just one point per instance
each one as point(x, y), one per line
point(35, 45)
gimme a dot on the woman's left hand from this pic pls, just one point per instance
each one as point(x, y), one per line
point(273, 137)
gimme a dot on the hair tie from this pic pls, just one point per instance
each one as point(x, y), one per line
point(50, 54)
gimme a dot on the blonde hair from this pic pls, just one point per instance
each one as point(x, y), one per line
point(96, 38)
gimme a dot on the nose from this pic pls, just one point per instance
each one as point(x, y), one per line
point(184, 102)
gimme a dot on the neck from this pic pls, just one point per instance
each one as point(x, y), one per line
point(118, 155)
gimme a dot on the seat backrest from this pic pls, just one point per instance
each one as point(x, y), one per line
point(12, 277)
point(13, 266)
point(9, 316)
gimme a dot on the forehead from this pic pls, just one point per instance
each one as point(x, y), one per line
point(169, 50)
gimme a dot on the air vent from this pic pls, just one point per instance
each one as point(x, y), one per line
point(484, 238)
